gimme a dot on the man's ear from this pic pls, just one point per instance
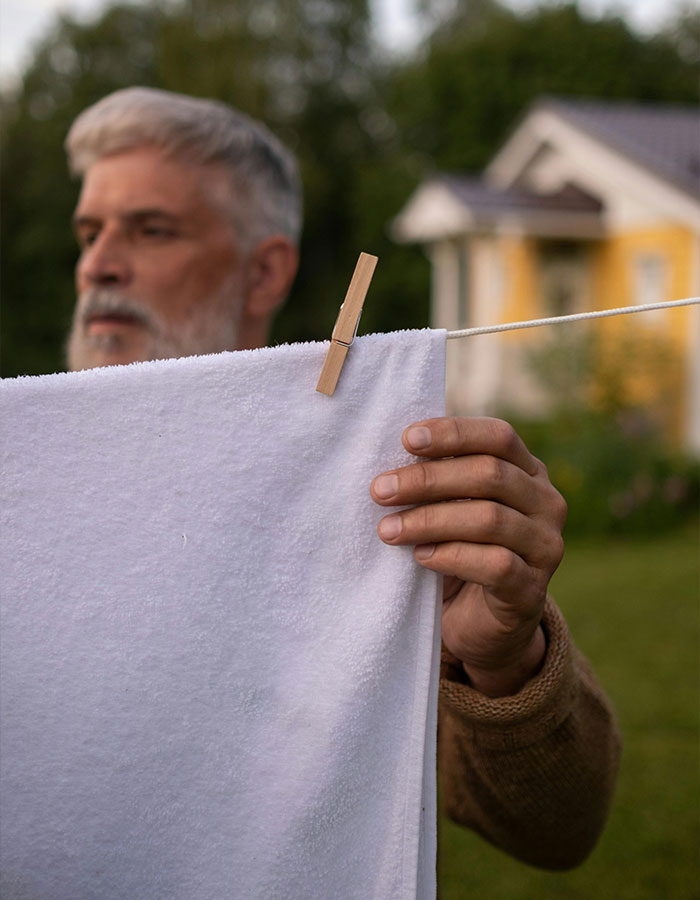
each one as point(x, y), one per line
point(272, 266)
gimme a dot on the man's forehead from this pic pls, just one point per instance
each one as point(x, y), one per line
point(144, 177)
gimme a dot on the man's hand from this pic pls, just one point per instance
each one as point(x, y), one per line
point(489, 520)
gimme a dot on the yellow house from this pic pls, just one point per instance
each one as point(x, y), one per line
point(588, 205)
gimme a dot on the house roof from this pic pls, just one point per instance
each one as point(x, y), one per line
point(448, 205)
point(478, 195)
point(665, 139)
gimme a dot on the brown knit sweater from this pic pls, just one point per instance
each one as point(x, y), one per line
point(533, 773)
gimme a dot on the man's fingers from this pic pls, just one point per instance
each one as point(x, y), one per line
point(477, 521)
point(477, 476)
point(496, 568)
point(461, 436)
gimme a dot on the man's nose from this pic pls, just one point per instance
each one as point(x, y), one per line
point(105, 261)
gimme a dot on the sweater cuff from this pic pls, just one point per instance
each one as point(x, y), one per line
point(524, 718)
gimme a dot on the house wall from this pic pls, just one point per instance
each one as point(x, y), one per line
point(519, 390)
point(523, 392)
point(646, 247)
point(661, 348)
point(490, 374)
point(615, 265)
point(493, 281)
point(448, 305)
point(651, 360)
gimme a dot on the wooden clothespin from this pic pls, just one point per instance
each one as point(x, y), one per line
point(346, 324)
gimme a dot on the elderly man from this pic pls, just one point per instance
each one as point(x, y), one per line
point(188, 222)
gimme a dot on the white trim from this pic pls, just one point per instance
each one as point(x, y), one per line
point(600, 169)
point(432, 213)
point(516, 155)
point(444, 282)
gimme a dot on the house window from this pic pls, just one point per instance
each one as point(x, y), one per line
point(650, 278)
point(563, 277)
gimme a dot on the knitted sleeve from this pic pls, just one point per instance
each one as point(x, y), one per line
point(533, 773)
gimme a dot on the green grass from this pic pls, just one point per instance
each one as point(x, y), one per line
point(633, 606)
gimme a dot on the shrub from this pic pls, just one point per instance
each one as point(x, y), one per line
point(613, 461)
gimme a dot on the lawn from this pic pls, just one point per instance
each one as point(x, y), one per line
point(633, 606)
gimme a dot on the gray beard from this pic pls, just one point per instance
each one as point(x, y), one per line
point(209, 332)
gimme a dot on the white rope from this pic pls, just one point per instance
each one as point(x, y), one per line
point(575, 317)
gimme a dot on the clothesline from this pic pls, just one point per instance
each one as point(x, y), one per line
point(575, 317)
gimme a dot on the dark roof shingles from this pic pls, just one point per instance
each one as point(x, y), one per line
point(665, 139)
point(479, 195)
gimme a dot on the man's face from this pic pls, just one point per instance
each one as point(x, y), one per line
point(160, 273)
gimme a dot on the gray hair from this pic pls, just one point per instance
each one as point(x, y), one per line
point(264, 174)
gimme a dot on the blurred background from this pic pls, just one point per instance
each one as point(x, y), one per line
point(504, 161)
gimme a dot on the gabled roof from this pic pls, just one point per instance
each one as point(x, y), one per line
point(477, 194)
point(614, 153)
point(665, 139)
point(448, 205)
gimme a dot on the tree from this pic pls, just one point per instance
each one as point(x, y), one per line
point(75, 66)
point(365, 128)
point(300, 66)
point(456, 102)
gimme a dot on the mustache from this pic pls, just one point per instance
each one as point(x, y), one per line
point(97, 302)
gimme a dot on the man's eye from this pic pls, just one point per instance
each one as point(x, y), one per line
point(157, 231)
point(86, 238)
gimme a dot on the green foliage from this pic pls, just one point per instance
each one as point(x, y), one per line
point(605, 452)
point(75, 67)
point(684, 32)
point(366, 129)
point(457, 102)
point(614, 473)
point(299, 66)
point(632, 608)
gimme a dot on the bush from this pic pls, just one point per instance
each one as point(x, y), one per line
point(612, 458)
point(613, 471)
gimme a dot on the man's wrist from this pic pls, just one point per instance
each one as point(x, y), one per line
point(507, 680)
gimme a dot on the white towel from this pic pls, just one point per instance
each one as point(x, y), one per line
point(216, 681)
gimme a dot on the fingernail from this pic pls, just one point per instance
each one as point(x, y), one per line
point(390, 528)
point(386, 486)
point(425, 551)
point(419, 437)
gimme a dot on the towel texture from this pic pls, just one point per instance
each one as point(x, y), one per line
point(216, 681)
